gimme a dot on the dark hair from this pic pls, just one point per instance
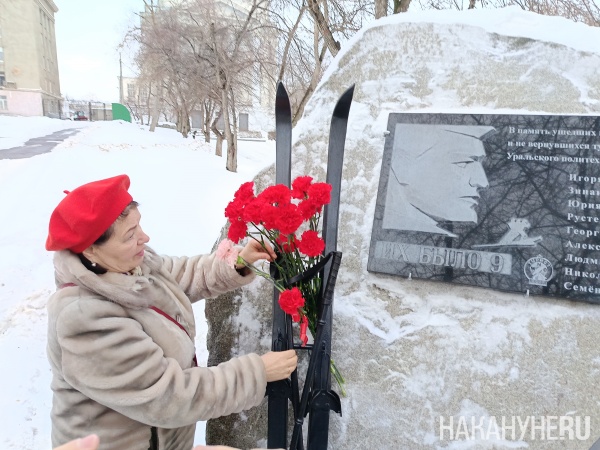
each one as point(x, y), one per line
point(105, 237)
point(110, 231)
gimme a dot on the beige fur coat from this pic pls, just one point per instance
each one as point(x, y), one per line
point(121, 368)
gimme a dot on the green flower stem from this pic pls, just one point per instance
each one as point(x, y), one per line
point(260, 273)
point(289, 265)
point(338, 377)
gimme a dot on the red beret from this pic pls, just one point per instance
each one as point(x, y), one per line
point(86, 213)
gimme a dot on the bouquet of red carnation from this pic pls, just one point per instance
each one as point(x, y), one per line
point(287, 219)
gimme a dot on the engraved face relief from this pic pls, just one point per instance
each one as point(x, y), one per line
point(435, 175)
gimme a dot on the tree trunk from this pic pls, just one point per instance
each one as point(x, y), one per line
point(401, 6)
point(207, 114)
point(223, 82)
point(231, 155)
point(183, 121)
point(231, 163)
point(219, 135)
point(381, 8)
point(332, 45)
point(156, 108)
point(185, 125)
point(288, 43)
point(319, 56)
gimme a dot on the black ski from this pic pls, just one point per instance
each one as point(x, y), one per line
point(323, 399)
point(317, 395)
point(279, 391)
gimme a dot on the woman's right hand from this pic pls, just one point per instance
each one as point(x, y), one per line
point(279, 365)
point(90, 442)
point(214, 447)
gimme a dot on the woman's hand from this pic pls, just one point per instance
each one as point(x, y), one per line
point(218, 447)
point(279, 365)
point(253, 251)
point(90, 442)
point(214, 447)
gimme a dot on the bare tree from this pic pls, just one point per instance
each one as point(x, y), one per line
point(162, 61)
point(585, 11)
point(310, 33)
point(225, 45)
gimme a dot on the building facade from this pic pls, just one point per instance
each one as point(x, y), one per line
point(136, 96)
point(29, 81)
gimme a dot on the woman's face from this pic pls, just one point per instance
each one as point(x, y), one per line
point(124, 250)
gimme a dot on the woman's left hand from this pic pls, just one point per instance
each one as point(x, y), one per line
point(253, 251)
point(90, 442)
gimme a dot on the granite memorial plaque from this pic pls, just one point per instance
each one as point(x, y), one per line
point(509, 202)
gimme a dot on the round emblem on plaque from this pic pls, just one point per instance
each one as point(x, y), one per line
point(538, 270)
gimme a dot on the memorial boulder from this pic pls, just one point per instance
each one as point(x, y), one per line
point(458, 315)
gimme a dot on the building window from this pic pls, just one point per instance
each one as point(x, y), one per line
point(3, 103)
point(1, 54)
point(131, 91)
point(2, 79)
point(243, 124)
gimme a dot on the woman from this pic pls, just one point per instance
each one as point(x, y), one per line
point(121, 330)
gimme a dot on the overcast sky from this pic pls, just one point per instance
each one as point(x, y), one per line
point(87, 36)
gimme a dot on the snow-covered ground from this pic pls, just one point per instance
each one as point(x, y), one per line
point(182, 188)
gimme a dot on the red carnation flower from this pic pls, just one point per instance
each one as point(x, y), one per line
point(290, 301)
point(320, 193)
point(288, 219)
point(245, 192)
point(300, 187)
point(308, 208)
point(237, 231)
point(234, 210)
point(254, 210)
point(311, 244)
point(269, 216)
point(276, 195)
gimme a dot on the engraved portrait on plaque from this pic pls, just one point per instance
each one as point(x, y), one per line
point(412, 201)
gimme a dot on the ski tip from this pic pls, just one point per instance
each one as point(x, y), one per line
point(283, 109)
point(350, 91)
point(281, 92)
point(342, 107)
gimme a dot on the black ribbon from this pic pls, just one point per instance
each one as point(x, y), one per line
point(310, 273)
